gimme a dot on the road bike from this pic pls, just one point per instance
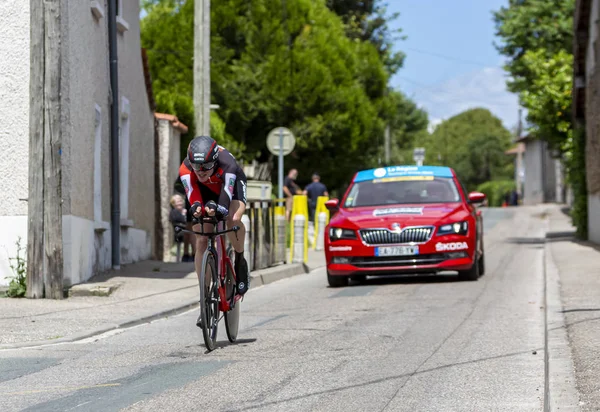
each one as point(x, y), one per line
point(218, 284)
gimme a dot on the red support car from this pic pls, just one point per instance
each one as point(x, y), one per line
point(404, 220)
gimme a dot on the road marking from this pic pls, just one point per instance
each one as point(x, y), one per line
point(81, 404)
point(61, 388)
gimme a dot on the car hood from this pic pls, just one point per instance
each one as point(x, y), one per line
point(405, 215)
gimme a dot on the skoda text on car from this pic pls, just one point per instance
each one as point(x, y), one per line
point(404, 220)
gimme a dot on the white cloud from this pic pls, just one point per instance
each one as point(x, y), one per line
point(482, 88)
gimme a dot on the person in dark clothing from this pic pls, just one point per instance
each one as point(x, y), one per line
point(313, 191)
point(290, 188)
point(507, 198)
point(187, 238)
point(178, 215)
point(514, 198)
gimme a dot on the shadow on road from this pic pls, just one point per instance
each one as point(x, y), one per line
point(445, 277)
point(581, 310)
point(147, 269)
point(226, 343)
point(390, 378)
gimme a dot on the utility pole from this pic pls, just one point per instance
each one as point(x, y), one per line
point(387, 145)
point(202, 66)
point(35, 200)
point(115, 167)
point(44, 251)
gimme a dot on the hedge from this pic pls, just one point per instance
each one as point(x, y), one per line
point(496, 190)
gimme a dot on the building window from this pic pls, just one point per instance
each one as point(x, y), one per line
point(122, 25)
point(98, 165)
point(124, 157)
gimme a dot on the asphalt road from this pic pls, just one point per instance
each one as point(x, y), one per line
point(389, 344)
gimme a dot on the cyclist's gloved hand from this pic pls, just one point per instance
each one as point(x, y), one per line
point(216, 210)
point(211, 207)
point(196, 210)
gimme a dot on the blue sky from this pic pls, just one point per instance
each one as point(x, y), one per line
point(469, 74)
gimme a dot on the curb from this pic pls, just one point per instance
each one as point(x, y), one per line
point(257, 278)
point(562, 390)
point(93, 289)
point(265, 276)
point(94, 332)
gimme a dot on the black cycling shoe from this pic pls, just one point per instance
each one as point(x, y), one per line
point(199, 321)
point(241, 272)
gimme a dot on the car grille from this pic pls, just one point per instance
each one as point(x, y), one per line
point(376, 261)
point(387, 237)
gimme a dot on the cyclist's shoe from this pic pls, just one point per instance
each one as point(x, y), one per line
point(241, 273)
point(199, 321)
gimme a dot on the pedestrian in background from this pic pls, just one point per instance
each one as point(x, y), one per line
point(188, 242)
point(313, 191)
point(178, 217)
point(290, 188)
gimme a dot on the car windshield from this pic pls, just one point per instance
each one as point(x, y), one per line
point(405, 190)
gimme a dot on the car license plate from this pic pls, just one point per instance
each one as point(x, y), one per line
point(397, 251)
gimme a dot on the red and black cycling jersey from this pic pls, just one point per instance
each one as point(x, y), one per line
point(227, 182)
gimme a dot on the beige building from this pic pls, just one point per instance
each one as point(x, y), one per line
point(586, 101)
point(170, 130)
point(541, 174)
point(85, 155)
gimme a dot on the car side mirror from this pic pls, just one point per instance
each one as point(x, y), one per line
point(332, 205)
point(476, 197)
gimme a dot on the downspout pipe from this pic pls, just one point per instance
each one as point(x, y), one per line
point(115, 200)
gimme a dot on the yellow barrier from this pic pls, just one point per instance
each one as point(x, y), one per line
point(279, 210)
point(319, 209)
point(299, 207)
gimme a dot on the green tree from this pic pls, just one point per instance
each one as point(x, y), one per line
point(537, 37)
point(530, 25)
point(408, 126)
point(473, 144)
point(164, 34)
point(273, 64)
point(548, 97)
point(368, 20)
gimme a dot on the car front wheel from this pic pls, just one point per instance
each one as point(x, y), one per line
point(337, 281)
point(470, 274)
point(481, 265)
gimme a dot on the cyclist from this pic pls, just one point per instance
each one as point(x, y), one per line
point(216, 186)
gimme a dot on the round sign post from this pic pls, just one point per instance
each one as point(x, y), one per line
point(419, 155)
point(281, 142)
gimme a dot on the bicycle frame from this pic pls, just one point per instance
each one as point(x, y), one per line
point(223, 260)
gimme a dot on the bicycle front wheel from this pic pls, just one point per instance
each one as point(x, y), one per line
point(209, 300)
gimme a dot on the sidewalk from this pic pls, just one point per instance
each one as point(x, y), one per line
point(136, 294)
point(578, 267)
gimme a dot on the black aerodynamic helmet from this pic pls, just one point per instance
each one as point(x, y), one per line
point(203, 152)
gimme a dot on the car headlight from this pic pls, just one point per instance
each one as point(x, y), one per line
point(336, 233)
point(458, 228)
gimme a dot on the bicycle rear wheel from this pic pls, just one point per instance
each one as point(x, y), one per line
point(232, 317)
point(209, 300)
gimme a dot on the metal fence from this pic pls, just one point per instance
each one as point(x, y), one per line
point(265, 234)
point(265, 244)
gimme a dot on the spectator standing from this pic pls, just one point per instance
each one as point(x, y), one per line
point(178, 214)
point(178, 217)
point(514, 198)
point(313, 191)
point(290, 188)
point(188, 242)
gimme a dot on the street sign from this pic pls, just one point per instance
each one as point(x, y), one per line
point(419, 155)
point(280, 142)
point(274, 138)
